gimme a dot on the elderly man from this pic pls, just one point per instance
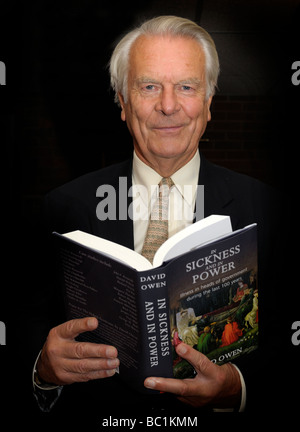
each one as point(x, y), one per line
point(164, 74)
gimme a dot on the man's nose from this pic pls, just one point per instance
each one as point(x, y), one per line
point(168, 102)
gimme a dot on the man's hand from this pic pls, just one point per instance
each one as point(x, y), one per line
point(216, 386)
point(64, 360)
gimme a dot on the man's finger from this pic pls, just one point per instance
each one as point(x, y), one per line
point(81, 350)
point(71, 329)
point(205, 369)
point(171, 385)
point(198, 360)
point(70, 378)
point(75, 370)
point(88, 366)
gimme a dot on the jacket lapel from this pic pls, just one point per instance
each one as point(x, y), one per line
point(120, 228)
point(218, 194)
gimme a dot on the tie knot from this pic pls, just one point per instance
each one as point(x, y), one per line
point(166, 181)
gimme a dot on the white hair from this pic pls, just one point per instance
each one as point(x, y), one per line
point(161, 26)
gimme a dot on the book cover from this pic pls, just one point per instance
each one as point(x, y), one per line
point(214, 300)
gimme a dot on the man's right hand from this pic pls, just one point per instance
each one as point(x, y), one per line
point(64, 360)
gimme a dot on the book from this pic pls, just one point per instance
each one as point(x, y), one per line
point(201, 289)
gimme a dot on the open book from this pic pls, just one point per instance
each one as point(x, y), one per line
point(189, 238)
point(201, 289)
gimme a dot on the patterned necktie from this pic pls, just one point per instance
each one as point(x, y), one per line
point(157, 232)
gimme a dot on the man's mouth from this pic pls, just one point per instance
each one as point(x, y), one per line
point(168, 128)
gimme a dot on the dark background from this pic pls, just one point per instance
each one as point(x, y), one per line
point(58, 119)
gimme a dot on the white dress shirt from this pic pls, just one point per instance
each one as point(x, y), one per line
point(182, 197)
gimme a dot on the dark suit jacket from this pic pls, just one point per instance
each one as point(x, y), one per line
point(73, 206)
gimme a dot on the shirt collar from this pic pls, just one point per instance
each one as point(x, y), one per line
point(188, 175)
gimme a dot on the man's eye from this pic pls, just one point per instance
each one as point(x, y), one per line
point(149, 87)
point(186, 88)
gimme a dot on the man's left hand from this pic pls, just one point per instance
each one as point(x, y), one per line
point(215, 386)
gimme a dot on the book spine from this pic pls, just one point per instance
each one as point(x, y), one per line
point(154, 319)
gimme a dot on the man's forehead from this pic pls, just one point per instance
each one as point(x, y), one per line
point(154, 53)
point(145, 43)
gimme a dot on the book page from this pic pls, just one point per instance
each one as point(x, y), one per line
point(193, 236)
point(118, 252)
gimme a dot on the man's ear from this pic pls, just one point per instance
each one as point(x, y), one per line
point(208, 108)
point(122, 103)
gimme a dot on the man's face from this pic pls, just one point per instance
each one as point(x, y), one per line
point(166, 110)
